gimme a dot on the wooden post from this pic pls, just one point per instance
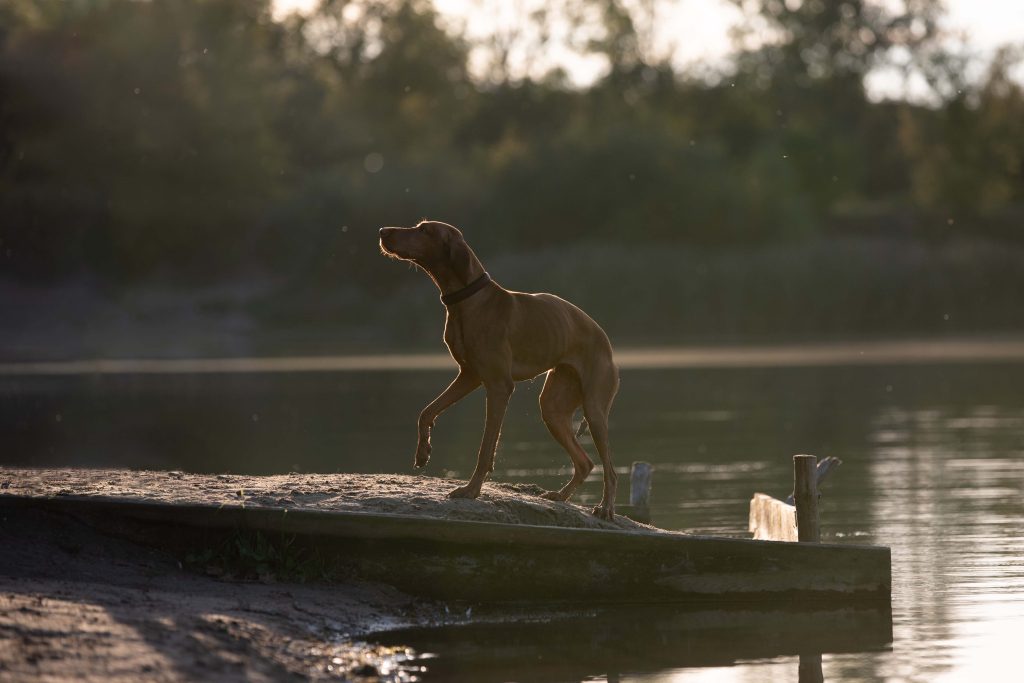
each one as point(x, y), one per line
point(639, 493)
point(640, 484)
point(805, 492)
point(809, 670)
point(826, 466)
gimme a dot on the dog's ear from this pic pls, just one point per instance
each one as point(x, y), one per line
point(458, 256)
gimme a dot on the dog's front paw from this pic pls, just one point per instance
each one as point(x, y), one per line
point(467, 491)
point(422, 455)
point(605, 512)
point(554, 495)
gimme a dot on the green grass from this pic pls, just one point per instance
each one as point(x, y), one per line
point(252, 556)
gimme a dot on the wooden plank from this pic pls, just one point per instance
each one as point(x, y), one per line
point(491, 562)
point(774, 520)
point(805, 494)
point(771, 519)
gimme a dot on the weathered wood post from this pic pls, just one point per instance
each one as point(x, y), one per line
point(640, 484)
point(639, 493)
point(775, 520)
point(805, 493)
point(809, 670)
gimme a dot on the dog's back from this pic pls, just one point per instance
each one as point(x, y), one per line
point(546, 330)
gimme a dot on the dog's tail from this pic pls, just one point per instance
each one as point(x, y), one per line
point(583, 428)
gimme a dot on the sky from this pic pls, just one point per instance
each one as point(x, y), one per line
point(697, 31)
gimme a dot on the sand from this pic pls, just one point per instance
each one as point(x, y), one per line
point(400, 494)
point(78, 605)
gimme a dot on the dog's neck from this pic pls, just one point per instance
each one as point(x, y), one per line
point(469, 290)
point(449, 282)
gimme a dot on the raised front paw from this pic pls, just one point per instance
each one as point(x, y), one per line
point(467, 491)
point(422, 454)
point(605, 511)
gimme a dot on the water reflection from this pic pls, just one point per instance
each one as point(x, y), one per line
point(933, 467)
point(949, 484)
point(626, 642)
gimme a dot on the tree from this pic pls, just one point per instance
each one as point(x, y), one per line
point(809, 41)
point(967, 155)
point(157, 137)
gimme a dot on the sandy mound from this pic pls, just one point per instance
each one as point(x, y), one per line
point(400, 494)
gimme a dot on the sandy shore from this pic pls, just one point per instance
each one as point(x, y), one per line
point(875, 352)
point(79, 606)
point(399, 494)
point(76, 604)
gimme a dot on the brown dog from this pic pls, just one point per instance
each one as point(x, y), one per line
point(500, 337)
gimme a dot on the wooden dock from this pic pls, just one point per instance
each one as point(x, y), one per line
point(497, 563)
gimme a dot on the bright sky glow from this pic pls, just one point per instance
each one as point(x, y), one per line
point(989, 23)
point(696, 32)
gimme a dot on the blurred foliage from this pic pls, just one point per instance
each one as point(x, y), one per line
point(199, 140)
point(255, 556)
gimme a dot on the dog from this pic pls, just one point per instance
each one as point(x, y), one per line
point(499, 337)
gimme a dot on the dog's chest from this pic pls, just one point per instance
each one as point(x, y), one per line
point(454, 339)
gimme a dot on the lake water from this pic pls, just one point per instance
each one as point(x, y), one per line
point(933, 467)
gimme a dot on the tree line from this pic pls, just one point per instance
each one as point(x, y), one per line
point(199, 139)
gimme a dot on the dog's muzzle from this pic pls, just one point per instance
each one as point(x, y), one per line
point(385, 237)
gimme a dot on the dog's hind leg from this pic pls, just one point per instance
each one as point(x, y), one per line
point(599, 390)
point(559, 399)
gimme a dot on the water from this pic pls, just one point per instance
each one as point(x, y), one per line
point(932, 468)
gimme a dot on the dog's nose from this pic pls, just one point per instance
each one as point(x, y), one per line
point(384, 231)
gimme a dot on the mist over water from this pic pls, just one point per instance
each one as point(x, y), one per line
point(932, 467)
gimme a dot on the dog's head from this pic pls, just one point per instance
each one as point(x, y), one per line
point(436, 247)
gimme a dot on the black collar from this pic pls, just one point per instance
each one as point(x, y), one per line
point(467, 291)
